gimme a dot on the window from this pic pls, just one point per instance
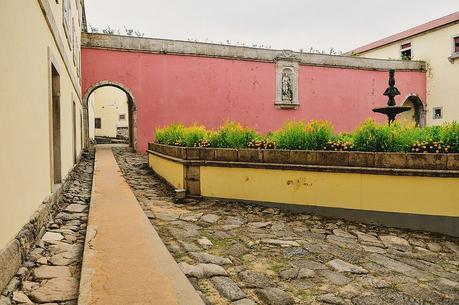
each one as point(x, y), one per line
point(98, 123)
point(122, 117)
point(67, 21)
point(437, 113)
point(456, 44)
point(405, 51)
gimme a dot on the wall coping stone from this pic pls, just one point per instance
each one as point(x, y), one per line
point(190, 48)
point(380, 163)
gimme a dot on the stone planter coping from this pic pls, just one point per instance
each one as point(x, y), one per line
point(383, 163)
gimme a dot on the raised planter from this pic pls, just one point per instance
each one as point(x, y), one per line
point(418, 191)
point(448, 163)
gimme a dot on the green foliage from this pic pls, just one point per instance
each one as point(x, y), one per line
point(318, 135)
point(170, 135)
point(232, 135)
point(300, 135)
point(371, 136)
point(449, 135)
point(194, 135)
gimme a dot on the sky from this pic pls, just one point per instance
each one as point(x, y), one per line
point(281, 24)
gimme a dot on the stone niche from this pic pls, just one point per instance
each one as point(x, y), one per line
point(287, 67)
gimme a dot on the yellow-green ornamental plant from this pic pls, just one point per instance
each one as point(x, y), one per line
point(300, 135)
point(194, 135)
point(318, 135)
point(232, 135)
point(170, 135)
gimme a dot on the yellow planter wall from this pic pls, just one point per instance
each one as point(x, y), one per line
point(403, 194)
point(169, 170)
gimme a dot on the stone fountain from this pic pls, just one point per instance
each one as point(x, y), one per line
point(391, 110)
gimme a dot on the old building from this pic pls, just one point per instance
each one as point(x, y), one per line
point(437, 43)
point(169, 81)
point(42, 116)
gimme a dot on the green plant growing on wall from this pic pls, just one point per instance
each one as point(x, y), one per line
point(370, 136)
point(301, 135)
point(318, 135)
point(171, 135)
point(232, 135)
point(194, 135)
point(449, 135)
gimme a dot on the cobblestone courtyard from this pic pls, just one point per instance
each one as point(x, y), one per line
point(234, 253)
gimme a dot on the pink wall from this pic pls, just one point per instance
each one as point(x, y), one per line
point(208, 91)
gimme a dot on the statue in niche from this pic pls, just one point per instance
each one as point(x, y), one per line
point(287, 92)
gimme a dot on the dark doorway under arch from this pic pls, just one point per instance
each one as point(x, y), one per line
point(132, 108)
point(417, 114)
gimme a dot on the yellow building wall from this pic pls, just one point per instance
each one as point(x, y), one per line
point(108, 103)
point(442, 76)
point(403, 194)
point(171, 171)
point(25, 164)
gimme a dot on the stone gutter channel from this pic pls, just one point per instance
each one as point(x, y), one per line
point(50, 274)
point(234, 253)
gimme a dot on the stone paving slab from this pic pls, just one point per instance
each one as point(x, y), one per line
point(50, 273)
point(282, 258)
point(125, 261)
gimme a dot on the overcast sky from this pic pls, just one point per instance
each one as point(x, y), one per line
point(281, 24)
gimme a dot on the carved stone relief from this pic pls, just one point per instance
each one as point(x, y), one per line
point(287, 67)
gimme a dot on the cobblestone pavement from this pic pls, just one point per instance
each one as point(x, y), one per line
point(50, 273)
point(238, 254)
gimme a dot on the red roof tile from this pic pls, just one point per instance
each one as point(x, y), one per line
point(452, 18)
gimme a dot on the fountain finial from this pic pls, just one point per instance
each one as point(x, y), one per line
point(391, 91)
point(391, 110)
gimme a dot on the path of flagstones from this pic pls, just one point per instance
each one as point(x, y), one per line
point(241, 255)
point(51, 272)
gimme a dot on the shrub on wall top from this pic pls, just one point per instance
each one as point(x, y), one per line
point(299, 135)
point(170, 135)
point(193, 135)
point(449, 135)
point(232, 135)
point(318, 135)
point(371, 136)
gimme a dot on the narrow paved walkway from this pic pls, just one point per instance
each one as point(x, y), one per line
point(269, 256)
point(125, 261)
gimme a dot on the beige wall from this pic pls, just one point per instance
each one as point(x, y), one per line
point(108, 103)
point(27, 47)
point(442, 78)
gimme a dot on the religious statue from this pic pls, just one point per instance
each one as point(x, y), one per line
point(287, 92)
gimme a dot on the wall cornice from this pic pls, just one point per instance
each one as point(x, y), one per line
point(189, 48)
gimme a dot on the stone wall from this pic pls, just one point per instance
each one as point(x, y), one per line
point(207, 84)
point(14, 253)
point(398, 189)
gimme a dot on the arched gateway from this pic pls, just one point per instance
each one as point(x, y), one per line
point(198, 83)
point(132, 107)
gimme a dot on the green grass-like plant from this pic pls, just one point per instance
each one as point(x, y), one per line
point(449, 135)
point(193, 135)
point(232, 135)
point(300, 135)
point(318, 135)
point(170, 135)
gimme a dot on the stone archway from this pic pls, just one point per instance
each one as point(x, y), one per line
point(132, 108)
point(417, 114)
